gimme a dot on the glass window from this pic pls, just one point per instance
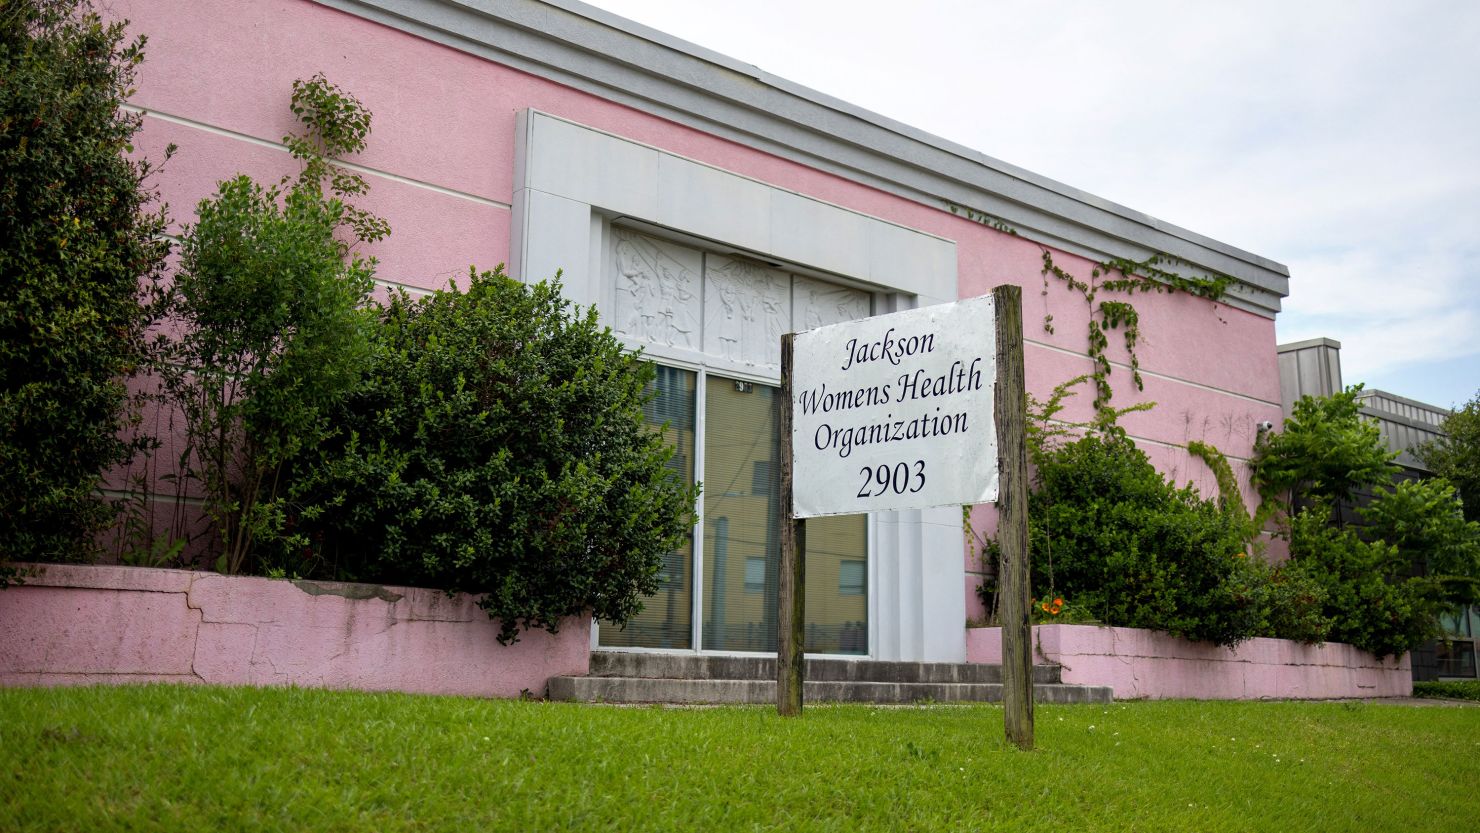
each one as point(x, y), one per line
point(1455, 658)
point(742, 527)
point(665, 620)
point(755, 575)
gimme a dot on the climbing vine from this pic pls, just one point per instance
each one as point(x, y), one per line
point(1116, 275)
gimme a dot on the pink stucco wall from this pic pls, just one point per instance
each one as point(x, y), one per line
point(1150, 664)
point(441, 166)
point(83, 624)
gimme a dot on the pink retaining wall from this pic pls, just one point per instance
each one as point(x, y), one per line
point(1150, 664)
point(82, 625)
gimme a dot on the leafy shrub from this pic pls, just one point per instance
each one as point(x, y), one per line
point(1325, 453)
point(1452, 689)
point(1414, 555)
point(1295, 604)
point(266, 325)
point(1108, 531)
point(1423, 520)
point(1455, 456)
point(497, 447)
point(75, 241)
point(1372, 598)
point(265, 332)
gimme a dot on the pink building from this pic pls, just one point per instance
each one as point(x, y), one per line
point(705, 208)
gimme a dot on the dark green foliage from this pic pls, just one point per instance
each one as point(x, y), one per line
point(336, 125)
point(268, 326)
point(497, 447)
point(1372, 598)
point(1325, 453)
point(1110, 534)
point(75, 242)
point(1295, 604)
point(1414, 557)
point(265, 333)
point(1450, 690)
point(1456, 455)
point(1422, 520)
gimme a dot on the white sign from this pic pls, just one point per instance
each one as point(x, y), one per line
point(895, 412)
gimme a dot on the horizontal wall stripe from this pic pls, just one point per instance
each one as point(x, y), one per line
point(279, 146)
point(1153, 374)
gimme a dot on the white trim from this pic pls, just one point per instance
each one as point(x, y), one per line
point(701, 451)
point(565, 171)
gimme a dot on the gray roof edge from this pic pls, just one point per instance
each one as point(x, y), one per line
point(1369, 393)
point(1318, 341)
point(597, 51)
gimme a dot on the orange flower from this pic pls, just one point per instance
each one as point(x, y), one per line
point(1059, 602)
point(1044, 606)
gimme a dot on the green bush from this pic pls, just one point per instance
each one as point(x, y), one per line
point(1111, 535)
point(1455, 456)
point(1423, 520)
point(1325, 453)
point(1414, 555)
point(265, 331)
point(75, 242)
point(498, 447)
point(1373, 599)
point(267, 327)
point(1451, 690)
point(1296, 605)
point(1386, 583)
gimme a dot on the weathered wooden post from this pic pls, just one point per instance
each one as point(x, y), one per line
point(1010, 406)
point(791, 615)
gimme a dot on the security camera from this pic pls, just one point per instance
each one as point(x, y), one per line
point(1266, 426)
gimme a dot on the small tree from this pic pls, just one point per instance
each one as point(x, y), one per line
point(1456, 455)
point(1325, 454)
point(76, 239)
point(266, 324)
point(498, 446)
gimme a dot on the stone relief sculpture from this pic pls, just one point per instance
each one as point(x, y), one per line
point(657, 291)
point(736, 309)
point(818, 304)
point(747, 308)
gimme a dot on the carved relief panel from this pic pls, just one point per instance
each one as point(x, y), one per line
point(658, 294)
point(747, 306)
point(817, 304)
point(668, 295)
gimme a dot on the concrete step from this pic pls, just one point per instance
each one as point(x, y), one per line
point(712, 667)
point(611, 689)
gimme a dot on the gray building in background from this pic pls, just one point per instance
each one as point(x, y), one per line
point(1313, 368)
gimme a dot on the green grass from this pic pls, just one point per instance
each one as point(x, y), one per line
point(200, 758)
point(1451, 690)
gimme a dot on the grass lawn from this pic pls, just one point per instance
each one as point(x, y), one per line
point(203, 758)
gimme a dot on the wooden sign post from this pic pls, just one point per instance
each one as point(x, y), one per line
point(1010, 408)
point(791, 614)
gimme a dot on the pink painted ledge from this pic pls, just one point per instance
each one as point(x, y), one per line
point(84, 624)
point(1146, 664)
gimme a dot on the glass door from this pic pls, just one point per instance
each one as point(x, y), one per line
point(742, 525)
point(738, 560)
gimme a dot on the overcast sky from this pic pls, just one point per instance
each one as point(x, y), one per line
point(1339, 138)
